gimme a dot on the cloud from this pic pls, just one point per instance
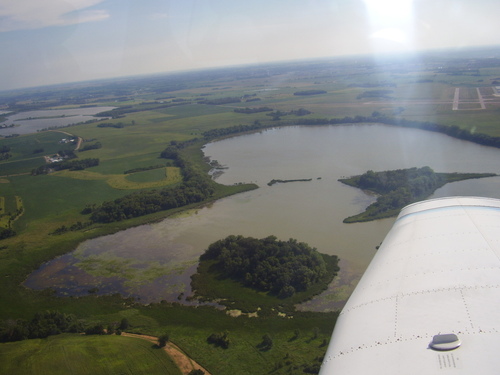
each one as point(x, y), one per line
point(36, 14)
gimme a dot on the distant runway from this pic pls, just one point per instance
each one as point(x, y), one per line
point(456, 99)
point(481, 100)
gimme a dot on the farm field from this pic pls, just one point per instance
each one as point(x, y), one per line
point(129, 145)
point(77, 354)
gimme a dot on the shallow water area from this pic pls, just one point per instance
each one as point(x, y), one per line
point(33, 121)
point(155, 262)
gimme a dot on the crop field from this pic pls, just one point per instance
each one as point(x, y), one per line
point(10, 207)
point(77, 354)
point(141, 180)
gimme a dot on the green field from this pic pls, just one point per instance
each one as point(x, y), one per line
point(77, 354)
point(419, 92)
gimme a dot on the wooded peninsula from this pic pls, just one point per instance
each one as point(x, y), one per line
point(399, 188)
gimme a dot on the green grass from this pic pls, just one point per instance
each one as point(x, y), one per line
point(148, 176)
point(80, 354)
point(13, 167)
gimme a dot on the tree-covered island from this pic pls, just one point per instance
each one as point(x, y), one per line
point(288, 270)
point(399, 188)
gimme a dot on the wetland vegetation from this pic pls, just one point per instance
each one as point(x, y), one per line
point(165, 120)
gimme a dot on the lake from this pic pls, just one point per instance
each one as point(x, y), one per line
point(154, 262)
point(33, 121)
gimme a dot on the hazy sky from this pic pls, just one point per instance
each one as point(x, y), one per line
point(52, 41)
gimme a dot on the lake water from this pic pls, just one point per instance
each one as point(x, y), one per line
point(154, 262)
point(33, 121)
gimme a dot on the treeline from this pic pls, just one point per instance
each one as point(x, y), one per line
point(221, 132)
point(75, 227)
point(122, 111)
point(5, 152)
point(143, 169)
point(452, 131)
point(117, 125)
point(94, 146)
point(401, 187)
point(226, 100)
point(309, 92)
point(278, 267)
point(276, 115)
point(375, 94)
point(49, 323)
point(253, 110)
point(72, 165)
point(195, 188)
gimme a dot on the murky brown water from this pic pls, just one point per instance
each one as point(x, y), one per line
point(154, 262)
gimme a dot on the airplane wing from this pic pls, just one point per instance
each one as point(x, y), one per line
point(429, 302)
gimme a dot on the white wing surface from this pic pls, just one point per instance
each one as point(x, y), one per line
point(429, 302)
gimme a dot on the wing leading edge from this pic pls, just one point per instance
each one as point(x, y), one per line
point(428, 301)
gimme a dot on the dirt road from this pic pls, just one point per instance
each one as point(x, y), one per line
point(185, 363)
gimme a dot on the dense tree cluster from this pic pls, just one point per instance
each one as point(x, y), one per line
point(72, 165)
point(5, 152)
point(67, 154)
point(163, 340)
point(43, 324)
point(300, 112)
point(401, 187)
point(418, 181)
point(267, 343)
point(49, 323)
point(6, 233)
point(195, 188)
point(147, 202)
point(219, 339)
point(280, 267)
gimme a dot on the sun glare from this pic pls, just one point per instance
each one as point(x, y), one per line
point(391, 21)
point(389, 8)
